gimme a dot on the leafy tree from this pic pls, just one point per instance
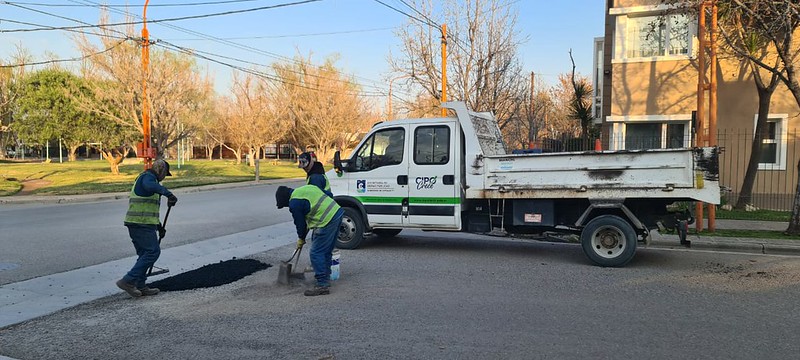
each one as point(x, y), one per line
point(10, 76)
point(47, 111)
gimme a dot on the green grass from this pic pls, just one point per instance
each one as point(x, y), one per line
point(759, 234)
point(763, 215)
point(94, 176)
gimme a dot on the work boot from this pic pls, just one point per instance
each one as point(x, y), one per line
point(129, 288)
point(318, 290)
point(148, 291)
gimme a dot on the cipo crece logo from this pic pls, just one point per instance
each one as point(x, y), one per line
point(361, 186)
point(425, 182)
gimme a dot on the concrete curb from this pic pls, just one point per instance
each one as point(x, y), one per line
point(743, 245)
point(68, 199)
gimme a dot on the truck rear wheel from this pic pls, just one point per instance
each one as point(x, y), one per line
point(351, 231)
point(386, 233)
point(609, 241)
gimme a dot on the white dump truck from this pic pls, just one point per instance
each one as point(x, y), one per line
point(454, 174)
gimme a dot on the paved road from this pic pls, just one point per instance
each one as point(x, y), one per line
point(444, 296)
point(40, 239)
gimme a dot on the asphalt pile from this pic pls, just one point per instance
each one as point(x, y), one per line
point(224, 272)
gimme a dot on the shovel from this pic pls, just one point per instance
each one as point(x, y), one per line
point(285, 274)
point(159, 270)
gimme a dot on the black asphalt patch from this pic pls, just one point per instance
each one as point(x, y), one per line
point(224, 272)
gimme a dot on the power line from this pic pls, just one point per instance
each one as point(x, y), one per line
point(231, 43)
point(258, 73)
point(63, 17)
point(294, 35)
point(75, 31)
point(65, 60)
point(129, 5)
point(165, 20)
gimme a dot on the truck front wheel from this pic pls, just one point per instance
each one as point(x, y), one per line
point(609, 241)
point(351, 231)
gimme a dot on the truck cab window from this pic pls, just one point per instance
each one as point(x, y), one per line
point(383, 148)
point(432, 145)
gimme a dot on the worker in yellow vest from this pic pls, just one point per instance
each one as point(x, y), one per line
point(144, 226)
point(312, 209)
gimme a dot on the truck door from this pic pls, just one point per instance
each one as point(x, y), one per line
point(434, 197)
point(380, 177)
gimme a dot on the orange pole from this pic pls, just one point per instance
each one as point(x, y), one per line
point(148, 152)
point(701, 88)
point(444, 67)
point(712, 103)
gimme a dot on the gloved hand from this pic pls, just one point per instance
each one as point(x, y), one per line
point(300, 243)
point(162, 231)
point(172, 200)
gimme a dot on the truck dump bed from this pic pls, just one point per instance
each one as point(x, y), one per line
point(656, 173)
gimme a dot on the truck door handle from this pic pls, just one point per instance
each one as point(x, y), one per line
point(402, 179)
point(449, 179)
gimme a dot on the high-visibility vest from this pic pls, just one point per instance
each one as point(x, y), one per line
point(323, 208)
point(327, 183)
point(143, 209)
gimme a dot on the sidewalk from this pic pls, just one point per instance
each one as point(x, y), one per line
point(748, 245)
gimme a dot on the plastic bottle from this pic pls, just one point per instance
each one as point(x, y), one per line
point(335, 265)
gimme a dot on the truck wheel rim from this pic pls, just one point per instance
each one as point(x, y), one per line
point(608, 242)
point(347, 230)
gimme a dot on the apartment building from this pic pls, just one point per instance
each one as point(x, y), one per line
point(645, 79)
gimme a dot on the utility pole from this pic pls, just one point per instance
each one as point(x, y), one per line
point(444, 67)
point(532, 116)
point(706, 59)
point(145, 149)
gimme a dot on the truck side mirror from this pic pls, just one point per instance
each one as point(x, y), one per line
point(337, 162)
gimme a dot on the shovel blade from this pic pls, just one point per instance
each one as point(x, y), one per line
point(284, 270)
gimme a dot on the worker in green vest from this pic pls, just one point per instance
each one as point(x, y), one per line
point(144, 226)
point(315, 172)
point(312, 209)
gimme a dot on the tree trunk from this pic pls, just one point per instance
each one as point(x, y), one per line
point(746, 192)
point(794, 221)
point(209, 152)
point(72, 155)
point(251, 161)
point(114, 158)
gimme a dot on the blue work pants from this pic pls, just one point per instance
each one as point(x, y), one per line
point(145, 241)
point(322, 243)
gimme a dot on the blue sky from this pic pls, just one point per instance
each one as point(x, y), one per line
point(359, 31)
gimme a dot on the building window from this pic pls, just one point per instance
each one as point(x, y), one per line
point(650, 36)
point(642, 136)
point(773, 147)
point(640, 132)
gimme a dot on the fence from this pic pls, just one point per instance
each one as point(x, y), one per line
point(775, 181)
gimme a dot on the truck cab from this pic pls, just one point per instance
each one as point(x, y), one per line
point(404, 174)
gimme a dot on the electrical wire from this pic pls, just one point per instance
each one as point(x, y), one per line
point(293, 35)
point(75, 31)
point(65, 60)
point(128, 5)
point(236, 45)
point(166, 20)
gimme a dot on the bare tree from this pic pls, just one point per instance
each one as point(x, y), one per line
point(483, 68)
point(175, 89)
point(253, 122)
point(325, 108)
